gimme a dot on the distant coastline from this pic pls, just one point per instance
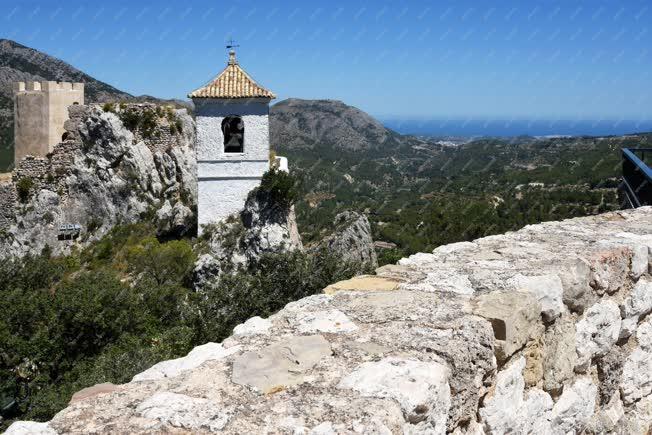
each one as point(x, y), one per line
point(508, 128)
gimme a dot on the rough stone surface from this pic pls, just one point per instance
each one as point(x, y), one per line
point(548, 291)
point(636, 380)
point(575, 407)
point(559, 355)
point(513, 317)
point(597, 332)
point(30, 428)
point(420, 388)
point(507, 409)
point(262, 227)
point(396, 353)
point(253, 326)
point(196, 357)
point(351, 240)
point(280, 365)
point(635, 306)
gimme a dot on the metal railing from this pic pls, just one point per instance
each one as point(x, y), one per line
point(637, 177)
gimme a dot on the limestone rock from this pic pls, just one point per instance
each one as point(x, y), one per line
point(85, 393)
point(547, 289)
point(183, 411)
point(559, 356)
point(574, 407)
point(351, 240)
point(635, 306)
point(255, 325)
point(196, 357)
point(609, 269)
point(575, 278)
point(597, 331)
point(636, 381)
point(280, 365)
point(269, 227)
point(262, 227)
point(331, 321)
point(406, 334)
point(507, 410)
point(30, 428)
point(421, 389)
point(104, 176)
point(513, 317)
point(363, 283)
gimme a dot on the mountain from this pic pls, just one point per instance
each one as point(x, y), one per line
point(411, 187)
point(21, 63)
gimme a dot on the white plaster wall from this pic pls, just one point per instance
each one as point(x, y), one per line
point(217, 199)
point(232, 168)
point(222, 189)
point(209, 113)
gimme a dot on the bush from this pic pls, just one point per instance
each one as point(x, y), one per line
point(24, 187)
point(279, 186)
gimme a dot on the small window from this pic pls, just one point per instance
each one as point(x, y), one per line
point(233, 131)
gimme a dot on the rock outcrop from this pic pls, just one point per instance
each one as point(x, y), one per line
point(351, 240)
point(103, 174)
point(488, 351)
point(262, 227)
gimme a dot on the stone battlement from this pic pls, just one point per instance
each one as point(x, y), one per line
point(47, 86)
point(543, 330)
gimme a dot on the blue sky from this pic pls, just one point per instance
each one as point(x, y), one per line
point(408, 59)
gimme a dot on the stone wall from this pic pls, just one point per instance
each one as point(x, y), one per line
point(7, 201)
point(546, 330)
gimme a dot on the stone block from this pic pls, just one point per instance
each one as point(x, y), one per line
point(421, 388)
point(363, 283)
point(513, 317)
point(280, 365)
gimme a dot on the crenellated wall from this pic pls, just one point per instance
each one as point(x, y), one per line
point(546, 330)
point(40, 111)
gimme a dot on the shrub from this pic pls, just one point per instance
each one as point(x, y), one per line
point(109, 107)
point(24, 187)
point(279, 186)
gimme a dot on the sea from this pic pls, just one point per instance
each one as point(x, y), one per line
point(510, 128)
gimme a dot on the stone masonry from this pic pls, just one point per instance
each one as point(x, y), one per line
point(546, 330)
point(40, 111)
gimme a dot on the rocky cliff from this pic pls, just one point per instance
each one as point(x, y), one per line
point(118, 166)
point(544, 330)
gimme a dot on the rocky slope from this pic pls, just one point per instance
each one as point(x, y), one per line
point(545, 330)
point(102, 175)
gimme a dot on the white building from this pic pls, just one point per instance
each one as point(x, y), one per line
point(232, 115)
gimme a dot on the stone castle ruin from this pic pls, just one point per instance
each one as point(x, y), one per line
point(40, 111)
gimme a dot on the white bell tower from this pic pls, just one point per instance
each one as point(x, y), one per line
point(232, 116)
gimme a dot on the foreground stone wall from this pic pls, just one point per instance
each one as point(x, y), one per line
point(545, 330)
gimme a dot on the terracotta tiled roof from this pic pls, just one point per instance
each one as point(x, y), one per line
point(233, 82)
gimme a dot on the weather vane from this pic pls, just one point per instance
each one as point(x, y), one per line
point(231, 44)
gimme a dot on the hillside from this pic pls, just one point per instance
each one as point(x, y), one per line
point(20, 63)
point(411, 188)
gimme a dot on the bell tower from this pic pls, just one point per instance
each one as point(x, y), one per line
point(232, 116)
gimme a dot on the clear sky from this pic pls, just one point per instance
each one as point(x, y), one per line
point(412, 59)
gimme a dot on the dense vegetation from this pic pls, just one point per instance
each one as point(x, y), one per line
point(421, 195)
point(123, 304)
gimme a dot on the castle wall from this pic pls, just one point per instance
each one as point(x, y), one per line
point(41, 109)
point(225, 179)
